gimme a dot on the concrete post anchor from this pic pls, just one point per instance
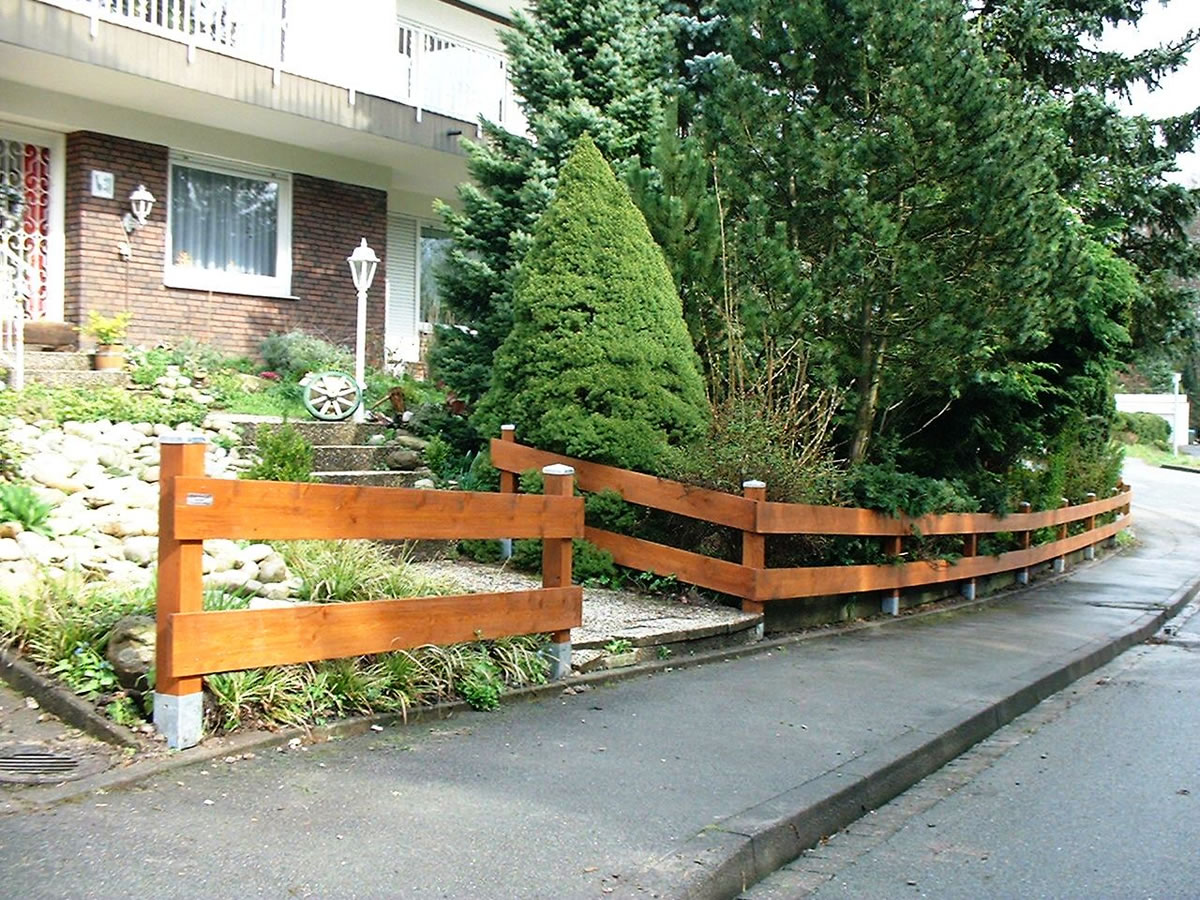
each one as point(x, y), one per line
point(560, 660)
point(180, 718)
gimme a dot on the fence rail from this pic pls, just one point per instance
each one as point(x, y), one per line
point(757, 519)
point(193, 643)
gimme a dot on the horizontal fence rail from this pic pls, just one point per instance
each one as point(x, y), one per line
point(755, 583)
point(192, 643)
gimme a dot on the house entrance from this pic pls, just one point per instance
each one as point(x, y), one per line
point(25, 225)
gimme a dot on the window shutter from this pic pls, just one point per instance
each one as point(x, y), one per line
point(400, 330)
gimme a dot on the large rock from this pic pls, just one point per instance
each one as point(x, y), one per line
point(403, 460)
point(10, 529)
point(131, 651)
point(54, 471)
point(140, 549)
point(10, 550)
point(272, 569)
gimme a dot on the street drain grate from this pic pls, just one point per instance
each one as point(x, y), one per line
point(33, 764)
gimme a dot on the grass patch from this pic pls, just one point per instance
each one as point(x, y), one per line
point(1156, 457)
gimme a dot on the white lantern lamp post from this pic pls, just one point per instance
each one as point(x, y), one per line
point(363, 263)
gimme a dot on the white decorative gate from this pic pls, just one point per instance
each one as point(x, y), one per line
point(24, 246)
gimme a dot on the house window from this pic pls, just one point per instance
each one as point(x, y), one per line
point(435, 250)
point(229, 228)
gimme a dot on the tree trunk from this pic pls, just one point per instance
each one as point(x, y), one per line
point(871, 352)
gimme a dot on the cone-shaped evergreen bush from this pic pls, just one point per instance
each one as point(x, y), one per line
point(598, 363)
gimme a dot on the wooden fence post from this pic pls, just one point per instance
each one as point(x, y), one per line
point(558, 481)
point(178, 702)
point(1026, 538)
point(892, 546)
point(1089, 552)
point(754, 545)
point(970, 548)
point(1060, 562)
point(508, 485)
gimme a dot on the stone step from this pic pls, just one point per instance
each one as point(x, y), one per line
point(322, 434)
point(334, 457)
point(39, 361)
point(69, 378)
point(374, 478)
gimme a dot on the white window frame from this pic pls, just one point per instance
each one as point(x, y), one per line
point(189, 277)
point(422, 225)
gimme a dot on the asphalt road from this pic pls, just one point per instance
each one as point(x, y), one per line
point(1093, 794)
point(1101, 801)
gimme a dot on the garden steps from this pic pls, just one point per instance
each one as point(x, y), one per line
point(347, 457)
point(373, 478)
point(68, 370)
point(44, 360)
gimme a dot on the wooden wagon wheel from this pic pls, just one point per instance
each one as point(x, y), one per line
point(331, 396)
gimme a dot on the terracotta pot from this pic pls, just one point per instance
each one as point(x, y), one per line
point(109, 356)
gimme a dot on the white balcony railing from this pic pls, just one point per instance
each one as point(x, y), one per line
point(371, 51)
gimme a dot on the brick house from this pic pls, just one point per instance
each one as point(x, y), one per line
point(273, 135)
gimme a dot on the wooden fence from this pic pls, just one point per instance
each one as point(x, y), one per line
point(757, 519)
point(192, 643)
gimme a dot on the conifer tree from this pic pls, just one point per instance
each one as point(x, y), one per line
point(598, 363)
point(1112, 167)
point(892, 200)
point(595, 66)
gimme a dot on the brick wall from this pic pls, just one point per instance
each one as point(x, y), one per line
point(328, 220)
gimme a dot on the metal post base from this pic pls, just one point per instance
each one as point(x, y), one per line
point(891, 605)
point(560, 660)
point(180, 718)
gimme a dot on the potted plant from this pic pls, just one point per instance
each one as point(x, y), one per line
point(109, 335)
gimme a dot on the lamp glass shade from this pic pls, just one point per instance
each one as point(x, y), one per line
point(140, 202)
point(363, 263)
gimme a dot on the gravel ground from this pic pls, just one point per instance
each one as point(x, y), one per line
point(607, 614)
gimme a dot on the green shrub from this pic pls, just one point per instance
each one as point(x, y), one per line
point(77, 404)
point(284, 455)
point(598, 363)
point(19, 503)
point(1146, 427)
point(749, 439)
point(296, 353)
point(589, 564)
point(894, 492)
point(480, 684)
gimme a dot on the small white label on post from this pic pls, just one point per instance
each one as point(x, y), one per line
point(198, 500)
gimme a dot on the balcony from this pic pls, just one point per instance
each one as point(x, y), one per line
point(376, 52)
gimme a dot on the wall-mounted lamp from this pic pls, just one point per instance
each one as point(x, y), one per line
point(141, 202)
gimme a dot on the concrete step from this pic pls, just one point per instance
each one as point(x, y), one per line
point(334, 457)
point(71, 378)
point(374, 478)
point(323, 434)
point(348, 457)
point(39, 361)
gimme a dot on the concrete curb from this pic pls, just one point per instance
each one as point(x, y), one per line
point(75, 712)
point(1193, 469)
point(724, 860)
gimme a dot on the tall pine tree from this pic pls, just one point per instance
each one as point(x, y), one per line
point(597, 67)
point(892, 202)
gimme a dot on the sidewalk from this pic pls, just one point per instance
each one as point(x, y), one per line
point(682, 783)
